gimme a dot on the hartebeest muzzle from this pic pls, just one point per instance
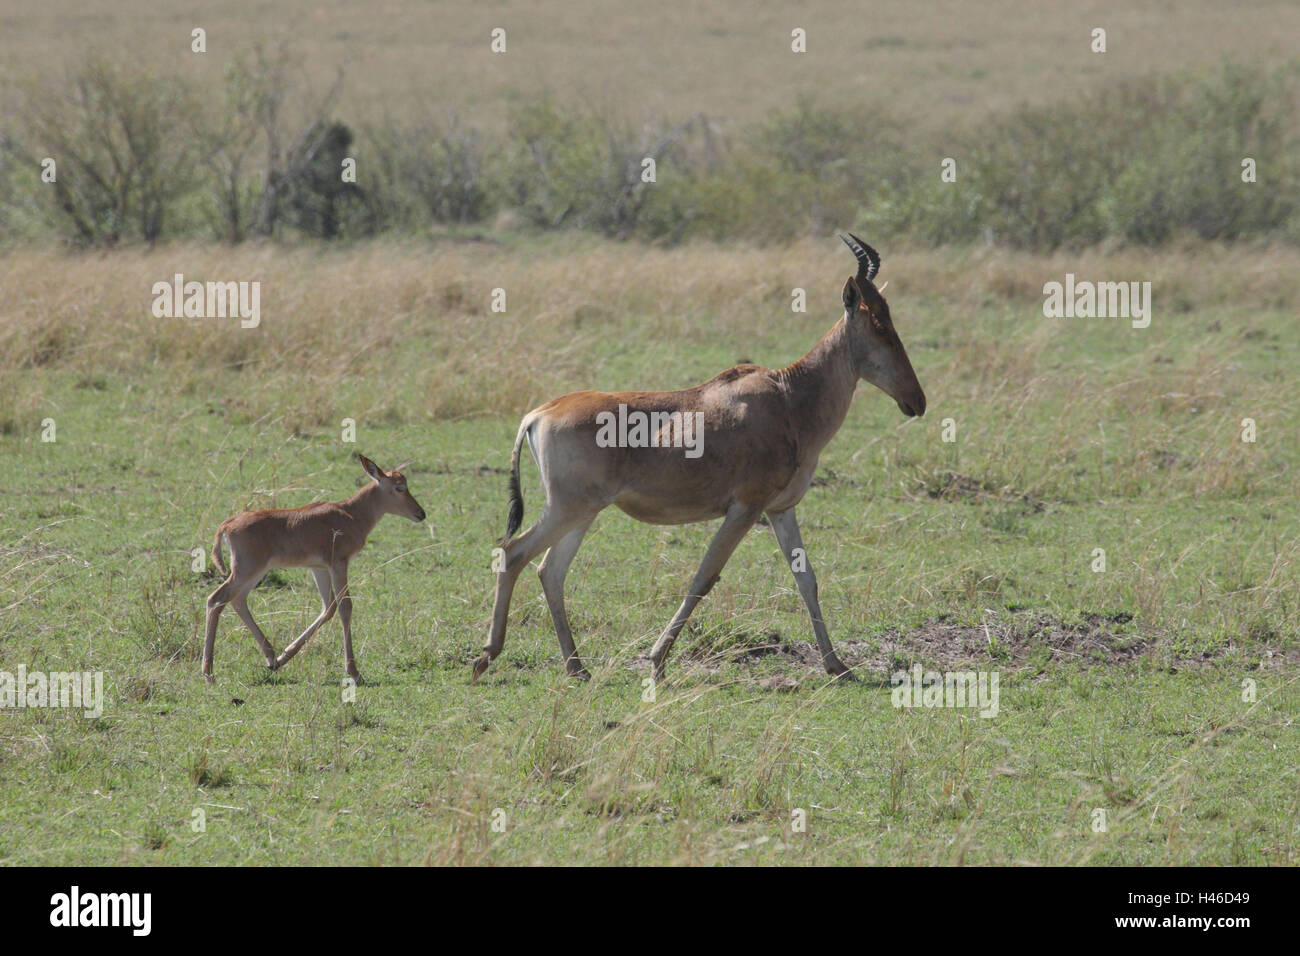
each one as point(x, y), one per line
point(913, 406)
point(913, 410)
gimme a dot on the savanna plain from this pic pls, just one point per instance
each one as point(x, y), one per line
point(1153, 693)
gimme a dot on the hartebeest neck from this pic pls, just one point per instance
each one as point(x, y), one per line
point(821, 385)
point(366, 507)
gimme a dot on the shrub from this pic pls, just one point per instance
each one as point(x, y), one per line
point(427, 171)
point(123, 149)
point(583, 169)
point(1141, 162)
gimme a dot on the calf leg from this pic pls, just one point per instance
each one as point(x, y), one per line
point(217, 602)
point(328, 603)
point(339, 575)
point(324, 587)
point(240, 603)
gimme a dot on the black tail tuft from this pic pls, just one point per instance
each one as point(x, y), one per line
point(516, 517)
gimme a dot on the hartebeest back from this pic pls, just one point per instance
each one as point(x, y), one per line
point(740, 445)
point(324, 537)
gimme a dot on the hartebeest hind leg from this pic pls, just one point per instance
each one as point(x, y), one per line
point(217, 602)
point(739, 519)
point(240, 603)
point(233, 591)
point(552, 572)
point(786, 527)
point(554, 524)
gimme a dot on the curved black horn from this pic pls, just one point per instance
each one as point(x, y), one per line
point(868, 258)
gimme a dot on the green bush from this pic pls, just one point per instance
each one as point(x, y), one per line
point(1187, 174)
point(123, 151)
point(1139, 162)
point(425, 172)
point(578, 169)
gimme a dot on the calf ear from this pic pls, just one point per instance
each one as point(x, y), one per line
point(371, 468)
point(852, 296)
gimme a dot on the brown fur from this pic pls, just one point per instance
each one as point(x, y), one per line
point(764, 430)
point(323, 536)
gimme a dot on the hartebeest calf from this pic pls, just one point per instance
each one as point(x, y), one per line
point(740, 445)
point(324, 537)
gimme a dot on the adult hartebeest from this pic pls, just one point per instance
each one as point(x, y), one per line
point(324, 537)
point(743, 443)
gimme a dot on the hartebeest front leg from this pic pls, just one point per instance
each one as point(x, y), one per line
point(739, 519)
point(555, 566)
point(339, 575)
point(325, 588)
point(328, 604)
point(786, 527)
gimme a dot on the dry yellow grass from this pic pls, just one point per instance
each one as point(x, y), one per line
point(404, 332)
point(329, 312)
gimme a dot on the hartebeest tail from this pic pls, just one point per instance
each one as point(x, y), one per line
point(516, 516)
point(322, 536)
point(217, 558)
point(740, 445)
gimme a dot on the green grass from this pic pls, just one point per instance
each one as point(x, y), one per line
point(711, 773)
point(1071, 436)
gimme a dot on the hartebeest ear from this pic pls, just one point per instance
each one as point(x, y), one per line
point(373, 470)
point(852, 296)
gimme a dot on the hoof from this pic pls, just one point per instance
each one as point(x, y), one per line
point(577, 672)
point(480, 665)
point(840, 672)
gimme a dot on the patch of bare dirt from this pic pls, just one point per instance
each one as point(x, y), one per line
point(1030, 642)
point(955, 486)
point(1098, 639)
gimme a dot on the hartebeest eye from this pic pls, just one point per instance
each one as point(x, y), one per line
point(878, 316)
